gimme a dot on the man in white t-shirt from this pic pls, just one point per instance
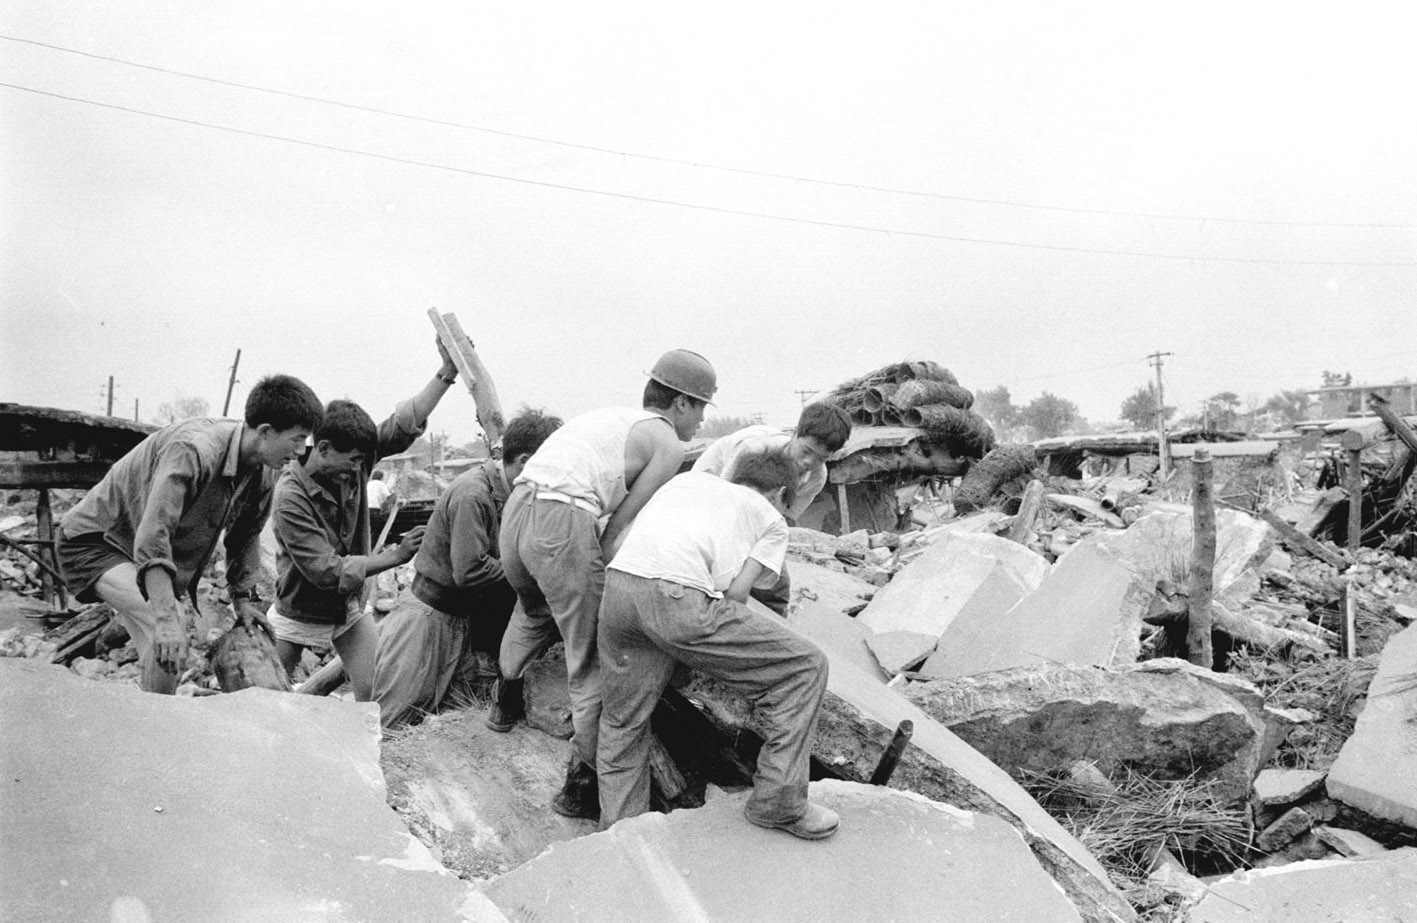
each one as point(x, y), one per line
point(676, 592)
point(822, 429)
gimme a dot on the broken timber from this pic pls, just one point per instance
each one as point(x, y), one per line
point(474, 374)
point(1202, 588)
point(1298, 541)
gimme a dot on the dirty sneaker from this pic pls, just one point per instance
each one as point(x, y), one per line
point(817, 823)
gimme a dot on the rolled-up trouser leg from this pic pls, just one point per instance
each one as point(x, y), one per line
point(560, 549)
point(633, 674)
point(783, 672)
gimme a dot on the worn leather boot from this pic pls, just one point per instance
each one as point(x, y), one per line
point(816, 823)
point(507, 705)
point(580, 795)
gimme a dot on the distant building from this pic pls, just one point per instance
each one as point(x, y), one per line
point(1351, 400)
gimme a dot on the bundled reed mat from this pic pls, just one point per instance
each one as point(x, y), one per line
point(924, 395)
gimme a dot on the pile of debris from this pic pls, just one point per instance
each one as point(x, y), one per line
point(923, 395)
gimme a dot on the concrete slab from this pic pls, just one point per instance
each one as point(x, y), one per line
point(1286, 786)
point(1160, 542)
point(999, 592)
point(859, 717)
point(1349, 843)
point(927, 594)
point(831, 630)
point(1317, 891)
point(837, 590)
point(1166, 723)
point(897, 856)
point(1376, 771)
point(1087, 611)
point(900, 650)
point(258, 805)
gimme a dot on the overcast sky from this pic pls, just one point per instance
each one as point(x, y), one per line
point(151, 250)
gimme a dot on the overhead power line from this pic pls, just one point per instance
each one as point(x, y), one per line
point(700, 164)
point(698, 206)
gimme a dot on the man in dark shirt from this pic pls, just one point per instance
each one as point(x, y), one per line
point(460, 602)
point(145, 532)
point(320, 514)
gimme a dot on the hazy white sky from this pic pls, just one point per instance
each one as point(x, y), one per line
point(150, 250)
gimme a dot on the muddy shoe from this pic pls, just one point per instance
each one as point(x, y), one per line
point(817, 823)
point(580, 795)
point(507, 705)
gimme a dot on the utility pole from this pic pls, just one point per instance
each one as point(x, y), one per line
point(135, 411)
point(231, 383)
point(110, 395)
point(1163, 450)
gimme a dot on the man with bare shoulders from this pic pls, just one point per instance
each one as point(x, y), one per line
point(563, 522)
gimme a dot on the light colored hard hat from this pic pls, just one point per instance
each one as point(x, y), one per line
point(686, 371)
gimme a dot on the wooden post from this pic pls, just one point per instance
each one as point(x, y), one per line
point(1202, 562)
point(474, 374)
point(1348, 627)
point(1027, 512)
point(1353, 483)
point(845, 507)
point(50, 590)
point(230, 384)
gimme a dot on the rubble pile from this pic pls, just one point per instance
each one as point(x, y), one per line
point(925, 395)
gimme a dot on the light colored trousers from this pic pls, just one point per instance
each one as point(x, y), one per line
point(551, 555)
point(646, 627)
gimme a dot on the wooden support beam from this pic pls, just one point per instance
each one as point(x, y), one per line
point(1394, 422)
point(52, 590)
point(1298, 541)
point(1198, 642)
point(1353, 481)
point(474, 374)
point(845, 507)
point(17, 474)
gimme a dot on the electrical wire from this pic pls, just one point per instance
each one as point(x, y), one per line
point(699, 164)
point(714, 209)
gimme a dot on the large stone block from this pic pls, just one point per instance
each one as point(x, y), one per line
point(259, 805)
point(929, 592)
point(1167, 720)
point(1087, 611)
point(1317, 891)
point(1376, 771)
point(897, 856)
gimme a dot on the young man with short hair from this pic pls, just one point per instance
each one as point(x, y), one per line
point(822, 429)
point(601, 467)
point(320, 514)
point(460, 602)
point(676, 593)
point(145, 532)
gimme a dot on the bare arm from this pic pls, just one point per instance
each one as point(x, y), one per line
point(658, 453)
point(751, 572)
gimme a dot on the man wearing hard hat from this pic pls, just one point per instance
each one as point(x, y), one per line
point(564, 521)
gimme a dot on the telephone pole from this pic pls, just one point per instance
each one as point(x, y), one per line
point(1163, 450)
point(110, 395)
point(231, 383)
point(135, 410)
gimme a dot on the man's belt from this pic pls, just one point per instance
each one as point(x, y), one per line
point(544, 493)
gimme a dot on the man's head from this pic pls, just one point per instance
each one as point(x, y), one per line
point(822, 428)
point(771, 472)
point(680, 386)
point(282, 411)
point(523, 436)
point(345, 441)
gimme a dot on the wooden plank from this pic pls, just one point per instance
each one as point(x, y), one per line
point(1298, 541)
point(475, 375)
point(1353, 481)
point(1022, 528)
point(1393, 421)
